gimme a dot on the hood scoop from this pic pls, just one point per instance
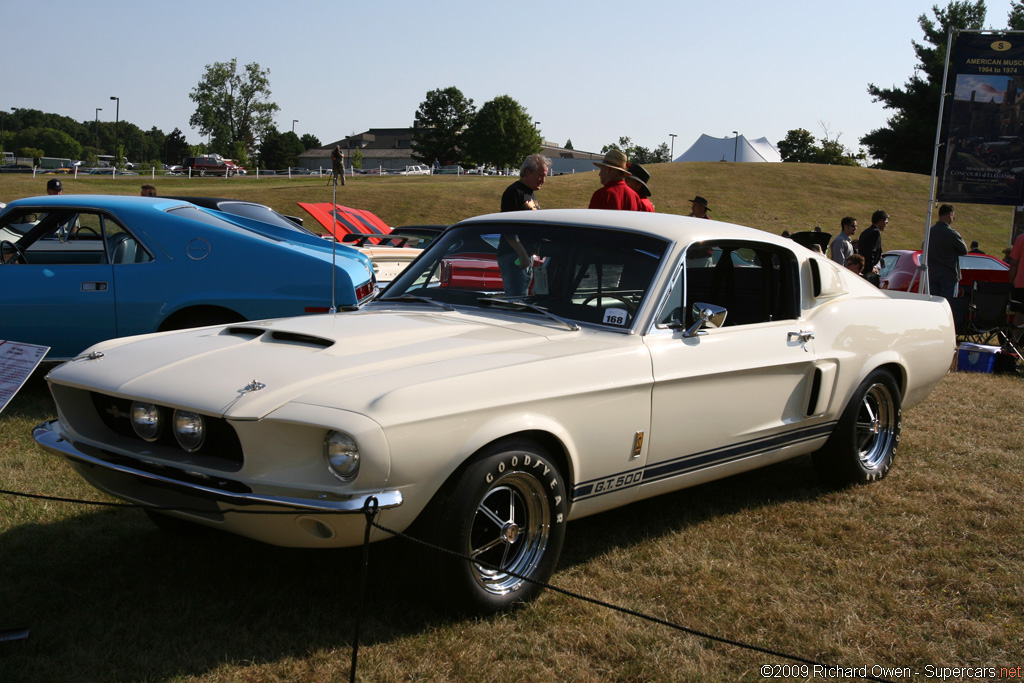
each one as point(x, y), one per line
point(278, 336)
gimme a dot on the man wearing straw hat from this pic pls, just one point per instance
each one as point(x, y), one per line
point(614, 193)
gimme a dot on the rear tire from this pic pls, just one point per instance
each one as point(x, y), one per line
point(508, 509)
point(863, 445)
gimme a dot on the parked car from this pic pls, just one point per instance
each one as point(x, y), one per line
point(206, 165)
point(483, 422)
point(415, 169)
point(899, 266)
point(16, 168)
point(252, 210)
point(78, 269)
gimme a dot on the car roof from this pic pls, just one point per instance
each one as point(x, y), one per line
point(681, 229)
point(109, 201)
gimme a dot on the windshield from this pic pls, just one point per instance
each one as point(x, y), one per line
point(579, 274)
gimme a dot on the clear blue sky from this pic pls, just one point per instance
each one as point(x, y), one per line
point(587, 71)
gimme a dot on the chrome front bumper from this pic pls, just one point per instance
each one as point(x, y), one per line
point(47, 436)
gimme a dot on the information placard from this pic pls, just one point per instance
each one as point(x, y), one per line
point(17, 362)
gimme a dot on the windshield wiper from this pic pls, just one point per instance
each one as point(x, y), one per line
point(515, 303)
point(412, 298)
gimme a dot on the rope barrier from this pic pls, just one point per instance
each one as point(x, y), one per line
point(370, 511)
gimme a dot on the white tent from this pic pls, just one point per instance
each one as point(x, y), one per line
point(736, 148)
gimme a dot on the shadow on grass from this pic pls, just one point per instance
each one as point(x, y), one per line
point(107, 596)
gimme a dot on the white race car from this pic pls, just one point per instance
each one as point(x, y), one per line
point(490, 399)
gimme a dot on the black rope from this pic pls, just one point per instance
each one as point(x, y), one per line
point(370, 510)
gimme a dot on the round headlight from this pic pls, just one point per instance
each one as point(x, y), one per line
point(342, 455)
point(189, 430)
point(146, 421)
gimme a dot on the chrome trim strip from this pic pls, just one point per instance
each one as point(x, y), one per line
point(47, 436)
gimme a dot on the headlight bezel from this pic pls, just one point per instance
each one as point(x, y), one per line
point(190, 436)
point(341, 452)
point(148, 430)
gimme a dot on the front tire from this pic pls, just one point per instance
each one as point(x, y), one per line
point(506, 509)
point(863, 445)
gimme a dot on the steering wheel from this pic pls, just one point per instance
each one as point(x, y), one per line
point(626, 302)
point(17, 253)
point(83, 228)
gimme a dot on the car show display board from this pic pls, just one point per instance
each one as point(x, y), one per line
point(17, 362)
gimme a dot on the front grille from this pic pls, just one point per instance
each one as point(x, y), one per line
point(221, 448)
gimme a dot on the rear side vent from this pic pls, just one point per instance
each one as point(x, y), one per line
point(812, 402)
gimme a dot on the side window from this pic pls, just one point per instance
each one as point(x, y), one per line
point(122, 247)
point(754, 282)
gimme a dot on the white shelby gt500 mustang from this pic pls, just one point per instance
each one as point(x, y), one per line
point(491, 398)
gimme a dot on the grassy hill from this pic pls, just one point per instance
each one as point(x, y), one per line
point(772, 197)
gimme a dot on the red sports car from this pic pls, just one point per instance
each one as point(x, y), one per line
point(898, 267)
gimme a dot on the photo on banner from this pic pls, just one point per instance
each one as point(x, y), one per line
point(981, 160)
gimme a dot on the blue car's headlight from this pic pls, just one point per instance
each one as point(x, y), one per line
point(342, 455)
point(189, 430)
point(147, 421)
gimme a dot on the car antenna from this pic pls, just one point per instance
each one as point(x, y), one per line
point(334, 246)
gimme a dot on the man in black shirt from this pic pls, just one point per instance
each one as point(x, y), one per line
point(870, 245)
point(515, 260)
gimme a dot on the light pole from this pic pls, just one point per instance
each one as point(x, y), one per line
point(117, 119)
point(98, 110)
point(672, 154)
point(294, 121)
point(736, 146)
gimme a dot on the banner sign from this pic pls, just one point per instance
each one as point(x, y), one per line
point(982, 160)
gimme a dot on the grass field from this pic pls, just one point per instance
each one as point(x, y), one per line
point(773, 197)
point(923, 569)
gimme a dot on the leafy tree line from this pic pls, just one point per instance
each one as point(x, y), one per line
point(447, 128)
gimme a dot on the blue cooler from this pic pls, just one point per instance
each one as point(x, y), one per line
point(976, 357)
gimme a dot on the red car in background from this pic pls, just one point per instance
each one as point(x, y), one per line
point(898, 267)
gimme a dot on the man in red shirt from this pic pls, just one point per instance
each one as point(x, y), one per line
point(614, 193)
point(638, 179)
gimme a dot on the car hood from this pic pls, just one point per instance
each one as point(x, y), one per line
point(247, 370)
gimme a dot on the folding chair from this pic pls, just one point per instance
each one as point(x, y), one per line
point(991, 321)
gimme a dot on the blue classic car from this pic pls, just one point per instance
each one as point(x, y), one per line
point(79, 269)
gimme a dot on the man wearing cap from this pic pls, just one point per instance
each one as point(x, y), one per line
point(699, 207)
point(614, 192)
point(638, 182)
point(54, 186)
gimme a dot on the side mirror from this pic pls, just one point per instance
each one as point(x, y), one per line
point(705, 315)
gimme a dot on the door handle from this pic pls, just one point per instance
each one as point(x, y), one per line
point(803, 336)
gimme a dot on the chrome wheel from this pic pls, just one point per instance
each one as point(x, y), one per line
point(875, 430)
point(509, 532)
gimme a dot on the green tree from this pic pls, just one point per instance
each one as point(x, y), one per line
point(280, 150)
point(52, 142)
point(309, 141)
point(176, 148)
point(635, 153)
point(798, 145)
point(438, 126)
point(662, 155)
point(355, 158)
point(501, 134)
point(568, 144)
point(908, 142)
point(233, 106)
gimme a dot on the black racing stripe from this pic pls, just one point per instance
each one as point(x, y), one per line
point(710, 458)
